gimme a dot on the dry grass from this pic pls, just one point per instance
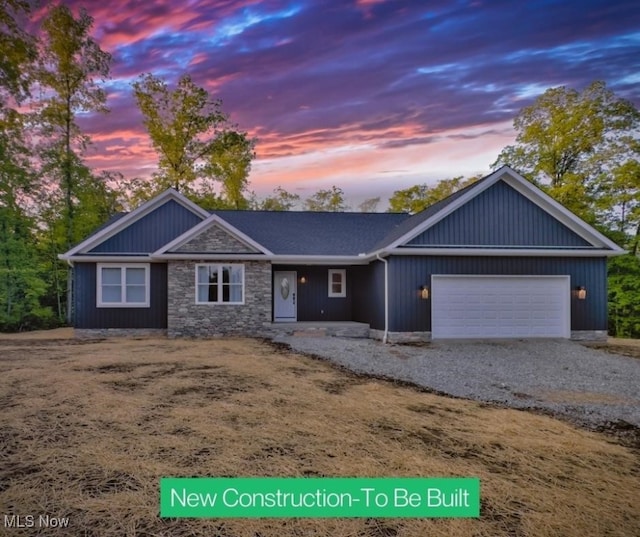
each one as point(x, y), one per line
point(88, 429)
point(625, 347)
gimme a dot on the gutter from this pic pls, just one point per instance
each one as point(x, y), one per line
point(385, 337)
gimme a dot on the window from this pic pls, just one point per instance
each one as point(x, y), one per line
point(337, 283)
point(122, 286)
point(219, 284)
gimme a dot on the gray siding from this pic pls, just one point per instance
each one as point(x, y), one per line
point(313, 299)
point(500, 216)
point(87, 315)
point(408, 312)
point(152, 231)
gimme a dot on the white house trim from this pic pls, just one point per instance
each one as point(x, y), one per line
point(531, 192)
point(124, 222)
point(211, 257)
point(100, 303)
point(109, 259)
point(213, 219)
point(506, 252)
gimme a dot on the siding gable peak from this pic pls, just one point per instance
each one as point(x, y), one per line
point(575, 226)
point(169, 197)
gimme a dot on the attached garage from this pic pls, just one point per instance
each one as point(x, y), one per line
point(474, 306)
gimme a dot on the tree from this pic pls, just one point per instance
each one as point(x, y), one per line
point(230, 163)
point(563, 137)
point(624, 296)
point(369, 205)
point(193, 138)
point(327, 200)
point(17, 50)
point(418, 197)
point(70, 64)
point(21, 283)
point(280, 201)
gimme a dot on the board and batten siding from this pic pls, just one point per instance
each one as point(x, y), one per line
point(313, 301)
point(87, 315)
point(409, 313)
point(500, 216)
point(368, 294)
point(152, 231)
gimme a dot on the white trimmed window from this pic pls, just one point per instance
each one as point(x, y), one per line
point(122, 286)
point(337, 283)
point(219, 284)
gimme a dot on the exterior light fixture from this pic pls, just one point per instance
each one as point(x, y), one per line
point(303, 279)
point(424, 292)
point(581, 293)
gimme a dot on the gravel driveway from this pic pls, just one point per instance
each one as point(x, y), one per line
point(589, 386)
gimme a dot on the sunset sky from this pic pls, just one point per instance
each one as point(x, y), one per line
point(369, 95)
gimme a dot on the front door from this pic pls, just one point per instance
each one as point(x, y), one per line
point(284, 296)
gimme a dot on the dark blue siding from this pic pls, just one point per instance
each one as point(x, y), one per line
point(88, 316)
point(500, 216)
point(152, 231)
point(408, 312)
point(368, 294)
point(313, 299)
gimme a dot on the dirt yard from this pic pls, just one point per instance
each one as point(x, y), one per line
point(88, 428)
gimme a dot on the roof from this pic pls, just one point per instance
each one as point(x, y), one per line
point(351, 236)
point(314, 233)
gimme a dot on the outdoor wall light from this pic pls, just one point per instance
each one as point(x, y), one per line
point(424, 292)
point(303, 279)
point(581, 293)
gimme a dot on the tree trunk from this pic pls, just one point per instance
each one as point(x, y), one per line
point(69, 295)
point(636, 241)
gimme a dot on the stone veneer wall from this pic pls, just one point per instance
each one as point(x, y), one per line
point(216, 239)
point(185, 318)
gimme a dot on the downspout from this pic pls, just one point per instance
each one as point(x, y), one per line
point(385, 336)
point(70, 297)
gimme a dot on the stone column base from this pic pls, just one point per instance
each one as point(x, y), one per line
point(589, 335)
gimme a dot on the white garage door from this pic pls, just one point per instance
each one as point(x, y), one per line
point(500, 306)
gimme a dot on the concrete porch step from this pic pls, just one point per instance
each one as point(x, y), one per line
point(321, 329)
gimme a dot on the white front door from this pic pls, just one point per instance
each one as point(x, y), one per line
point(284, 296)
point(500, 306)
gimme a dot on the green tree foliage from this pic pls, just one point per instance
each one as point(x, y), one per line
point(22, 287)
point(624, 296)
point(281, 200)
point(195, 143)
point(71, 63)
point(418, 197)
point(565, 137)
point(327, 200)
point(230, 163)
point(17, 50)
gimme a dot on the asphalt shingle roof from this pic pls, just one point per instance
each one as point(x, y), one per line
point(314, 233)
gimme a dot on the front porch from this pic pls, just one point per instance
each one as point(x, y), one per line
point(321, 328)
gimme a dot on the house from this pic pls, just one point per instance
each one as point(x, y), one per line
point(498, 259)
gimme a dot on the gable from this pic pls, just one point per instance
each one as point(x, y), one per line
point(500, 216)
point(215, 239)
point(152, 231)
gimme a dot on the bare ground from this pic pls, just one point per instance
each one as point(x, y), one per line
point(88, 428)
